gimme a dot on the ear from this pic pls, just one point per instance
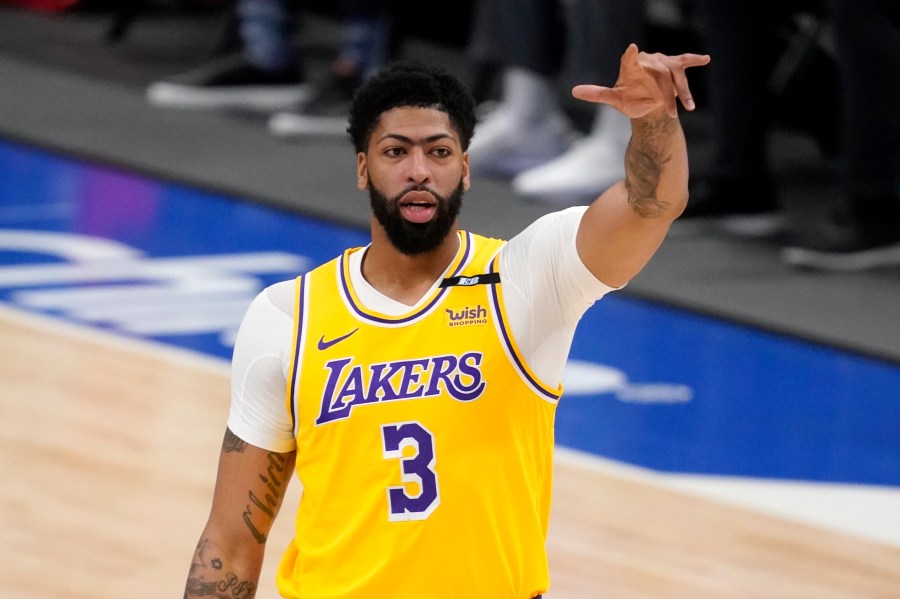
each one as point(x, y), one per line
point(362, 172)
point(466, 181)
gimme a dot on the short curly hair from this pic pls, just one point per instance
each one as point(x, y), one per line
point(414, 84)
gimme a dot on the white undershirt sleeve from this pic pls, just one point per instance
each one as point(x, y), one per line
point(547, 289)
point(258, 413)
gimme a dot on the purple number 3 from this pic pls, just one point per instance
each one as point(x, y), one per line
point(417, 468)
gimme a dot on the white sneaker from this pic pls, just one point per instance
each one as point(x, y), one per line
point(503, 146)
point(591, 166)
point(298, 124)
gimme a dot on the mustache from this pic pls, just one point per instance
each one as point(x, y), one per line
point(416, 187)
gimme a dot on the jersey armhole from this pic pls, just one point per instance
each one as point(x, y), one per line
point(507, 340)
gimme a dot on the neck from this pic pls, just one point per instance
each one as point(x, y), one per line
point(401, 277)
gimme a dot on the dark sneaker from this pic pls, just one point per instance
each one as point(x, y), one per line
point(325, 113)
point(231, 82)
point(740, 207)
point(853, 242)
point(861, 255)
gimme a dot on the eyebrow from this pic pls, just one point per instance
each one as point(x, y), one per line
point(409, 140)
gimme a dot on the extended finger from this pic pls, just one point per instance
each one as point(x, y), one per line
point(666, 87)
point(693, 60)
point(682, 89)
point(679, 77)
point(597, 93)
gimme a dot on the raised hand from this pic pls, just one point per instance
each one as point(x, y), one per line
point(646, 83)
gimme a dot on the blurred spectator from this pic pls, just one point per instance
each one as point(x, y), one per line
point(528, 136)
point(739, 181)
point(264, 73)
point(369, 41)
point(374, 33)
point(864, 231)
point(267, 71)
point(753, 46)
point(862, 228)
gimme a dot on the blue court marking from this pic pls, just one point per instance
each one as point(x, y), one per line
point(647, 384)
point(759, 404)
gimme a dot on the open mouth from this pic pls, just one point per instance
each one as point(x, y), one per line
point(418, 206)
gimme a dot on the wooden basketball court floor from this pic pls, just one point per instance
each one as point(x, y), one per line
point(110, 447)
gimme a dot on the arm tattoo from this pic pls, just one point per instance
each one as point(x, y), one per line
point(228, 587)
point(644, 159)
point(276, 479)
point(232, 444)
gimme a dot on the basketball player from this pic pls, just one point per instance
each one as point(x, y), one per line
point(412, 383)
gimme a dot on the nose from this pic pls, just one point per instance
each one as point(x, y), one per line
point(419, 170)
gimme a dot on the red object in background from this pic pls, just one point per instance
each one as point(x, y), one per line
point(42, 5)
point(57, 5)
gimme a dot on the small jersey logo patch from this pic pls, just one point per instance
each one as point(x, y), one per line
point(488, 278)
point(323, 344)
point(466, 316)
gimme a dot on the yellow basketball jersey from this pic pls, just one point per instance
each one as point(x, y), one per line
point(424, 443)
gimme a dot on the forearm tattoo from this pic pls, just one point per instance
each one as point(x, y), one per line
point(644, 160)
point(261, 512)
point(229, 586)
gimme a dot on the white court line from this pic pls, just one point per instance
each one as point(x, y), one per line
point(169, 353)
point(868, 512)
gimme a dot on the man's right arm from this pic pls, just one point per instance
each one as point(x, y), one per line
point(623, 228)
point(250, 486)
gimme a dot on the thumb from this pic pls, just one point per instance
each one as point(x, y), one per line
point(630, 57)
point(596, 93)
point(607, 95)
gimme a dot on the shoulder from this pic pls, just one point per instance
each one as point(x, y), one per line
point(278, 296)
point(560, 222)
point(549, 235)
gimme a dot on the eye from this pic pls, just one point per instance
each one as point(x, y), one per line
point(442, 152)
point(394, 151)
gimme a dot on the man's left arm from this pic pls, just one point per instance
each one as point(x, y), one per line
point(624, 227)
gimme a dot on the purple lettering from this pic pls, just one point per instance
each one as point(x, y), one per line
point(352, 389)
point(455, 315)
point(346, 385)
point(412, 372)
point(468, 366)
point(329, 412)
point(442, 368)
point(380, 386)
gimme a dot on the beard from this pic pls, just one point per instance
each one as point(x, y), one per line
point(416, 238)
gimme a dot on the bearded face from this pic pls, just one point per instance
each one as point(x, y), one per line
point(416, 238)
